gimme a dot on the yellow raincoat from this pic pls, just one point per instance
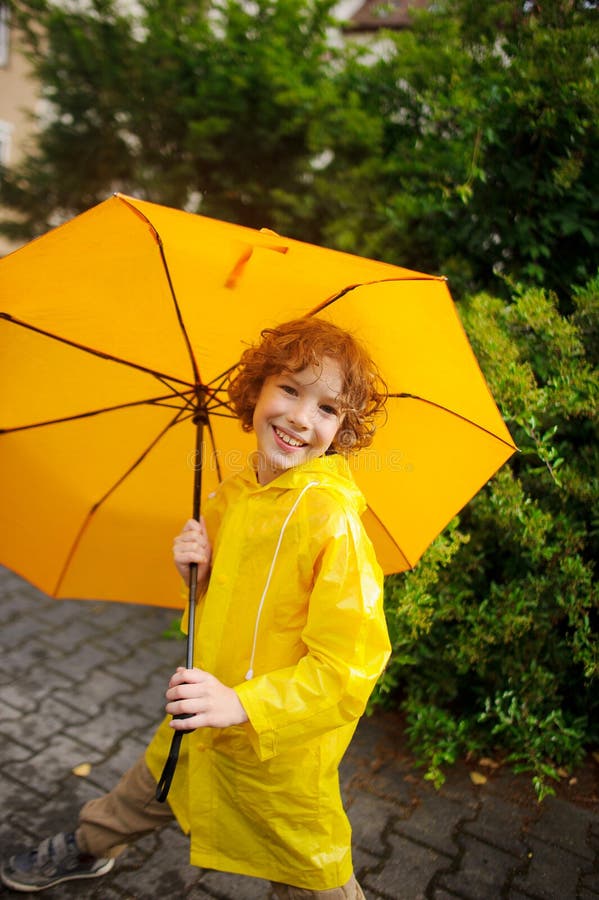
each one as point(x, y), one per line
point(293, 620)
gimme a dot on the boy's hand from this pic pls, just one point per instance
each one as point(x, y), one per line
point(192, 546)
point(211, 703)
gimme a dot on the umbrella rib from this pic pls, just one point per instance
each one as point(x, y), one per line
point(158, 239)
point(99, 353)
point(92, 511)
point(152, 401)
point(214, 451)
point(354, 287)
point(406, 396)
point(330, 300)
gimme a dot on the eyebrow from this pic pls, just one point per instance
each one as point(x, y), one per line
point(335, 399)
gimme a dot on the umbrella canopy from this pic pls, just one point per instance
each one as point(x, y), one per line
point(118, 331)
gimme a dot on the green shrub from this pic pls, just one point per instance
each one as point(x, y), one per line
point(494, 634)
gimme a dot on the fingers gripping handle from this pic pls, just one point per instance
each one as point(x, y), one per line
point(164, 784)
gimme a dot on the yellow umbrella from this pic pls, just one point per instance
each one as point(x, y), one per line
point(118, 330)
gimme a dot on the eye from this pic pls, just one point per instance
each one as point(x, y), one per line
point(329, 410)
point(289, 389)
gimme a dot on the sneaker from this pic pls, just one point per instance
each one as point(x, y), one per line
point(56, 859)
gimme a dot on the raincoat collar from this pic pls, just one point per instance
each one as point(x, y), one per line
point(331, 471)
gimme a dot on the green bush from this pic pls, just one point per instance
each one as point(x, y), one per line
point(494, 634)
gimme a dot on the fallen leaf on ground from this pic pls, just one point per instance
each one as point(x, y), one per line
point(488, 763)
point(82, 770)
point(478, 778)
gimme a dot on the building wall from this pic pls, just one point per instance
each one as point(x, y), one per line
point(18, 97)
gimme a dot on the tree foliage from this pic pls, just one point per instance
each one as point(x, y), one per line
point(201, 105)
point(470, 147)
point(501, 648)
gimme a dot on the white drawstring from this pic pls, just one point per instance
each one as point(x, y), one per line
point(250, 671)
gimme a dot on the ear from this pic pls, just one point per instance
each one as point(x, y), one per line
point(344, 440)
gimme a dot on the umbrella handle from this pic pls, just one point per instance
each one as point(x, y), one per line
point(168, 771)
point(164, 784)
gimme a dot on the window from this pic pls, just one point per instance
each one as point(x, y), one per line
point(5, 140)
point(4, 35)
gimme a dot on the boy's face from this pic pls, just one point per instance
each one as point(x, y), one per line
point(296, 418)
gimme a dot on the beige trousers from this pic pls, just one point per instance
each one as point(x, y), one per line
point(108, 824)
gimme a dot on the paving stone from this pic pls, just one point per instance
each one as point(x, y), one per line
point(516, 789)
point(15, 796)
point(79, 663)
point(86, 684)
point(590, 882)
point(25, 694)
point(433, 822)
point(231, 887)
point(105, 774)
point(197, 892)
point(14, 587)
point(369, 817)
point(112, 617)
point(17, 631)
point(35, 729)
point(408, 871)
point(94, 693)
point(11, 751)
point(552, 873)
point(501, 824)
point(61, 612)
point(518, 895)
point(53, 764)
point(565, 826)
point(458, 786)
point(45, 817)
point(484, 871)
point(384, 779)
point(364, 862)
point(146, 659)
point(158, 867)
point(100, 731)
point(154, 621)
point(6, 677)
point(32, 655)
point(10, 714)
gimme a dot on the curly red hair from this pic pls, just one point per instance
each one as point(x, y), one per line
point(293, 346)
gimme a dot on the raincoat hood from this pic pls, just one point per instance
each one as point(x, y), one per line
point(332, 472)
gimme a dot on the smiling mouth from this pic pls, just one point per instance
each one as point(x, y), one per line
point(287, 439)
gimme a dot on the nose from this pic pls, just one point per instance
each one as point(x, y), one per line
point(299, 415)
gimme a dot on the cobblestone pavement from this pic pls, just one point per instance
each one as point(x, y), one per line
point(83, 682)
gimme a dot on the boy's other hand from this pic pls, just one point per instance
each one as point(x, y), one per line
point(192, 546)
point(210, 703)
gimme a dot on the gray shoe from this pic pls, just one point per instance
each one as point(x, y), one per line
point(56, 859)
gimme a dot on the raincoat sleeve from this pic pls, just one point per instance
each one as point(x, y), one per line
point(347, 648)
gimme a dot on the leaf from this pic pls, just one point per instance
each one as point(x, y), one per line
point(489, 763)
point(478, 778)
point(82, 770)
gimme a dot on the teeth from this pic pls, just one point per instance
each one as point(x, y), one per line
point(289, 440)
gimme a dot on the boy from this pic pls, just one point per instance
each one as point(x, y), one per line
point(291, 638)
